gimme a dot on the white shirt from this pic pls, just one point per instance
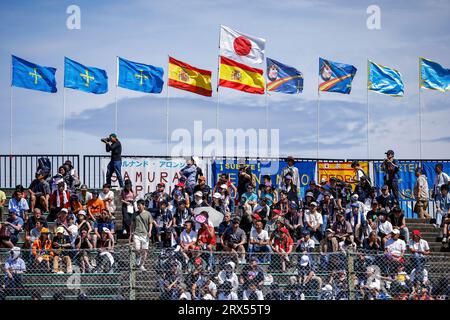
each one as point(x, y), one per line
point(384, 227)
point(396, 247)
point(73, 233)
point(375, 284)
point(422, 245)
point(439, 180)
point(263, 235)
point(224, 296)
point(188, 237)
point(313, 218)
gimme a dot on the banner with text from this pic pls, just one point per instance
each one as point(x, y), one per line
point(406, 180)
point(341, 170)
point(306, 169)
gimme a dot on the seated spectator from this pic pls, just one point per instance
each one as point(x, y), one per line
point(31, 232)
point(107, 196)
point(61, 218)
point(328, 245)
point(226, 222)
point(105, 245)
point(58, 200)
point(233, 240)
point(15, 224)
point(293, 220)
point(71, 229)
point(208, 289)
point(228, 275)
point(103, 221)
point(60, 248)
point(95, 206)
point(34, 233)
point(372, 216)
point(183, 294)
point(198, 225)
point(307, 278)
point(397, 219)
point(313, 221)
point(18, 204)
point(272, 224)
point(170, 282)
point(219, 204)
point(357, 221)
point(395, 249)
point(82, 223)
point(39, 190)
point(342, 228)
point(198, 201)
point(305, 244)
point(259, 239)
point(163, 220)
point(84, 196)
point(283, 205)
point(188, 240)
point(328, 208)
point(372, 242)
point(42, 250)
point(291, 188)
point(225, 292)
point(206, 238)
point(75, 204)
point(386, 200)
point(384, 227)
point(57, 178)
point(227, 199)
point(263, 210)
point(83, 244)
point(275, 293)
point(249, 200)
point(14, 268)
point(252, 279)
point(371, 286)
point(283, 245)
point(420, 249)
point(204, 188)
point(181, 214)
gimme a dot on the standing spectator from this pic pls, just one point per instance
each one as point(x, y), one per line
point(39, 190)
point(127, 197)
point(190, 172)
point(58, 200)
point(14, 268)
point(18, 204)
point(114, 146)
point(421, 194)
point(107, 196)
point(84, 196)
point(60, 249)
point(313, 221)
point(259, 239)
point(233, 240)
point(397, 219)
point(391, 169)
point(141, 231)
point(440, 179)
point(2, 204)
point(442, 206)
point(420, 249)
point(291, 170)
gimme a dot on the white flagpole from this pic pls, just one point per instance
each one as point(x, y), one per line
point(217, 90)
point(318, 113)
point(420, 115)
point(267, 110)
point(115, 96)
point(11, 111)
point(167, 112)
point(63, 120)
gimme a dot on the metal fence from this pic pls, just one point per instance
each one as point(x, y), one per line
point(346, 275)
point(20, 169)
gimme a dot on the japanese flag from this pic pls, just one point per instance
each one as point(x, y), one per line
point(240, 47)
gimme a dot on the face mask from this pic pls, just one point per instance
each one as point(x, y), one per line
point(198, 201)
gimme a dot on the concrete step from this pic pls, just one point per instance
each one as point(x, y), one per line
point(416, 220)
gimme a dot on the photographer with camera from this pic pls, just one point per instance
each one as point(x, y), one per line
point(114, 146)
point(391, 169)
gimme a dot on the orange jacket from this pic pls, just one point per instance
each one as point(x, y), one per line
point(39, 249)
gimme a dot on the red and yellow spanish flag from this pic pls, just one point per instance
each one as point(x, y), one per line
point(186, 77)
point(241, 77)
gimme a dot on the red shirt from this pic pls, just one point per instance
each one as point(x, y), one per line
point(204, 235)
point(61, 200)
point(283, 243)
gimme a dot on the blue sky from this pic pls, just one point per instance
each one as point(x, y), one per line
point(297, 33)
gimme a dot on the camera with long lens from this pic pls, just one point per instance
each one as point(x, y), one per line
point(105, 140)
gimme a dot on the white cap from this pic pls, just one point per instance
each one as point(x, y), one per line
point(355, 196)
point(313, 204)
point(82, 212)
point(396, 231)
point(217, 195)
point(304, 260)
point(327, 287)
point(105, 229)
point(224, 186)
point(199, 194)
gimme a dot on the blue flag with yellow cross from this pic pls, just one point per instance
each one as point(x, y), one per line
point(81, 77)
point(32, 76)
point(139, 77)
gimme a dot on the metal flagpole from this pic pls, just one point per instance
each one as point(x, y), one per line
point(368, 112)
point(318, 113)
point(115, 96)
point(217, 90)
point(11, 112)
point(267, 110)
point(420, 114)
point(63, 120)
point(167, 113)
